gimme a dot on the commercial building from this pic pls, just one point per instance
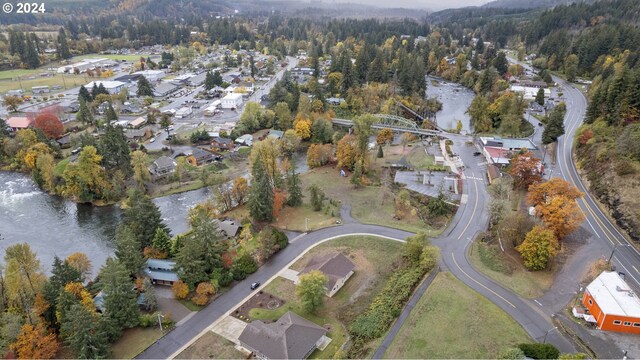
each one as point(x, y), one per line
point(113, 87)
point(83, 65)
point(151, 75)
point(232, 101)
point(613, 304)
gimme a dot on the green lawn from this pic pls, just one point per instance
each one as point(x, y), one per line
point(128, 57)
point(211, 346)
point(453, 321)
point(134, 341)
point(419, 159)
point(373, 258)
point(369, 204)
point(66, 81)
point(507, 270)
point(294, 218)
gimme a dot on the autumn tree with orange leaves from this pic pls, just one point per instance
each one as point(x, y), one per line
point(50, 125)
point(35, 342)
point(555, 202)
point(526, 170)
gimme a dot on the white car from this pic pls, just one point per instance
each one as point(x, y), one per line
point(152, 140)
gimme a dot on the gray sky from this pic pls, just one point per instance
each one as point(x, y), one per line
point(424, 4)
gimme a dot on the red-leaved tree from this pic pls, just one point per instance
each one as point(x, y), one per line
point(50, 125)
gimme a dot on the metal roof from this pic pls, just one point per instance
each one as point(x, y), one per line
point(614, 296)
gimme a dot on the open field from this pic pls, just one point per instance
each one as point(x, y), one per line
point(374, 259)
point(127, 57)
point(508, 270)
point(453, 321)
point(369, 204)
point(303, 218)
point(211, 346)
point(68, 82)
point(134, 341)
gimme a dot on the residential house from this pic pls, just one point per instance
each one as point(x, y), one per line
point(162, 166)
point(200, 157)
point(16, 123)
point(246, 139)
point(163, 89)
point(221, 144)
point(64, 142)
point(290, 337)
point(229, 228)
point(136, 134)
point(613, 303)
point(161, 272)
point(337, 268)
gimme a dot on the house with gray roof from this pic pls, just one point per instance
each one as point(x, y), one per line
point(335, 266)
point(290, 337)
point(229, 228)
point(161, 271)
point(162, 166)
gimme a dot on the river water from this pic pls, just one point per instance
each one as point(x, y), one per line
point(455, 100)
point(54, 226)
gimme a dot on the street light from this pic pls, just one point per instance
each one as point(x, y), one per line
point(160, 321)
point(544, 340)
point(614, 250)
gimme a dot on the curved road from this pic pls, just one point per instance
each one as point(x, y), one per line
point(467, 223)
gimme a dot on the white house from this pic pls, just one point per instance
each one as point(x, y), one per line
point(184, 112)
point(232, 101)
point(113, 87)
point(151, 75)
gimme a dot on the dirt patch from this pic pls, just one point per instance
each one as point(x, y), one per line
point(260, 300)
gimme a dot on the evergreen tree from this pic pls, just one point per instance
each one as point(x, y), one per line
point(540, 96)
point(94, 91)
point(84, 115)
point(293, 187)
point(101, 90)
point(120, 300)
point(110, 115)
point(144, 87)
point(162, 241)
point(380, 152)
point(377, 72)
point(83, 94)
point(115, 151)
point(128, 250)
point(217, 78)
point(84, 335)
point(348, 76)
point(143, 218)
point(32, 59)
point(150, 300)
point(62, 47)
point(261, 193)
point(209, 82)
point(501, 64)
point(61, 274)
point(362, 65)
point(555, 125)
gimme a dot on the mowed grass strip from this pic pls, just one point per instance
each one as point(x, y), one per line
point(453, 321)
point(211, 346)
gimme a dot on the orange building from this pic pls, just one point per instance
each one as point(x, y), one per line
point(613, 304)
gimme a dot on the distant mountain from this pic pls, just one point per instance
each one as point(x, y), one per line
point(528, 4)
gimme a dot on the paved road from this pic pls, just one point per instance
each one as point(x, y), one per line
point(181, 335)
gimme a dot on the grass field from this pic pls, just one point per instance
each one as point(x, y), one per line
point(453, 321)
point(369, 204)
point(211, 346)
point(294, 218)
point(508, 270)
point(69, 81)
point(374, 259)
point(134, 341)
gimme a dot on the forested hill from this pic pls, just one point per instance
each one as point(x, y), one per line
point(527, 4)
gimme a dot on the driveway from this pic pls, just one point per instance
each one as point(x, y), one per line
point(168, 304)
point(230, 328)
point(290, 274)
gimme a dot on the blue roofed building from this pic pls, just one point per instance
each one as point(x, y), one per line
point(161, 272)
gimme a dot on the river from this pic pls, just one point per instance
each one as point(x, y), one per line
point(54, 226)
point(455, 100)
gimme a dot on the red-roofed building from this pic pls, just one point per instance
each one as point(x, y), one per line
point(497, 156)
point(19, 122)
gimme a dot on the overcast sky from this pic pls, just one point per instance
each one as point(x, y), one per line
point(423, 4)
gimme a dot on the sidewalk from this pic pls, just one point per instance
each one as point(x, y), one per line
point(388, 339)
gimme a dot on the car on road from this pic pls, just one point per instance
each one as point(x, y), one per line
point(255, 285)
point(152, 140)
point(539, 124)
point(477, 153)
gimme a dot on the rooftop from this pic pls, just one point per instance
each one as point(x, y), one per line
point(18, 122)
point(334, 265)
point(290, 337)
point(614, 296)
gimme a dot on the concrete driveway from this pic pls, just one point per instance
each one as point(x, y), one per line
point(290, 275)
point(230, 328)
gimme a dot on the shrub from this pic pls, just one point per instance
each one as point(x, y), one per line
point(180, 289)
point(511, 353)
point(540, 351)
point(244, 264)
point(200, 300)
